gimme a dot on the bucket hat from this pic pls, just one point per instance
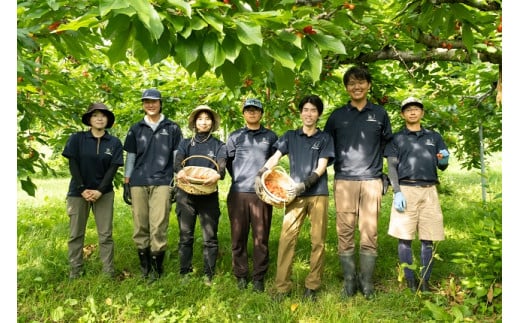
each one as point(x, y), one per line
point(100, 107)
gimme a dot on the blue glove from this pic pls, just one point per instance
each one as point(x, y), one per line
point(445, 156)
point(399, 202)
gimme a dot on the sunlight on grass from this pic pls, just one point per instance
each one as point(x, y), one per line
point(45, 293)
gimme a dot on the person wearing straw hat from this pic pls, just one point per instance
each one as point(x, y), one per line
point(413, 156)
point(94, 157)
point(248, 149)
point(310, 151)
point(203, 121)
point(150, 145)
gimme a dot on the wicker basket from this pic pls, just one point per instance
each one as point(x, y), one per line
point(196, 176)
point(275, 188)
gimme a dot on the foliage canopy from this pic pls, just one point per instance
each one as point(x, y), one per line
point(449, 52)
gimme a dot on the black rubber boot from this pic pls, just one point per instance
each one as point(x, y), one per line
point(145, 261)
point(412, 284)
point(348, 265)
point(157, 265)
point(367, 263)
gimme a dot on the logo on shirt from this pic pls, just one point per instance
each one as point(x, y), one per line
point(108, 151)
point(211, 154)
point(316, 145)
point(371, 118)
point(264, 141)
point(429, 142)
point(163, 132)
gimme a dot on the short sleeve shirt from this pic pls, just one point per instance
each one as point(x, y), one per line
point(94, 157)
point(416, 153)
point(304, 153)
point(248, 150)
point(359, 140)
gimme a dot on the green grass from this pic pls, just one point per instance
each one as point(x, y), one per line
point(44, 293)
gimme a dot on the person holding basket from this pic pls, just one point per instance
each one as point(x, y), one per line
point(199, 164)
point(310, 151)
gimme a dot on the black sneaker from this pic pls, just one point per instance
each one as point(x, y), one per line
point(258, 286)
point(310, 294)
point(241, 283)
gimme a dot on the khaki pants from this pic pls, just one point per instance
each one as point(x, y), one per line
point(151, 212)
point(316, 208)
point(423, 214)
point(357, 201)
point(78, 210)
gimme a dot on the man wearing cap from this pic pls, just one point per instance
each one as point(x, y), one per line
point(150, 145)
point(204, 150)
point(360, 130)
point(94, 157)
point(413, 155)
point(248, 149)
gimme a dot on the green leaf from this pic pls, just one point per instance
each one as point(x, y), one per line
point(187, 51)
point(105, 6)
point(282, 56)
point(213, 22)
point(185, 6)
point(149, 17)
point(28, 186)
point(314, 60)
point(89, 20)
point(120, 43)
point(230, 74)
point(326, 42)
point(467, 37)
point(249, 34)
point(212, 50)
point(283, 78)
point(231, 47)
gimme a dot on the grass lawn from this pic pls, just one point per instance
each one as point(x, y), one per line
point(45, 294)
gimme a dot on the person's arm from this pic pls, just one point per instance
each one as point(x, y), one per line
point(129, 166)
point(392, 173)
point(272, 161)
point(108, 178)
point(399, 199)
point(76, 174)
point(313, 178)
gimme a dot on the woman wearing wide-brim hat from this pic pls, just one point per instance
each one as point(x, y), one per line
point(94, 157)
point(203, 149)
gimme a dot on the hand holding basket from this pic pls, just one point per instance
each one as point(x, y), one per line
point(276, 187)
point(197, 177)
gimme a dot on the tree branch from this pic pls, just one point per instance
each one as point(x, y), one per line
point(453, 55)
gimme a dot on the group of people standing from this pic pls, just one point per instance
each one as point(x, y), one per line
point(355, 140)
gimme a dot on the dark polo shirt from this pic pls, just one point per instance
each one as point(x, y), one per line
point(248, 150)
point(94, 157)
point(304, 153)
point(416, 153)
point(359, 140)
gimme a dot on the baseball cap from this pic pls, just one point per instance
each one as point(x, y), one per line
point(411, 100)
point(253, 103)
point(151, 94)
